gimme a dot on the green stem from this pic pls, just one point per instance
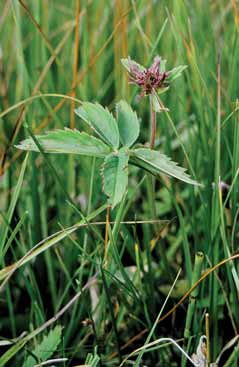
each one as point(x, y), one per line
point(192, 301)
point(153, 120)
point(111, 310)
point(151, 180)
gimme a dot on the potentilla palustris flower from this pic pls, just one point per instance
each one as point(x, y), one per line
point(151, 79)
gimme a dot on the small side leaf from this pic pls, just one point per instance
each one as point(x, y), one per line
point(156, 163)
point(176, 72)
point(67, 141)
point(101, 120)
point(115, 175)
point(45, 349)
point(128, 123)
point(157, 104)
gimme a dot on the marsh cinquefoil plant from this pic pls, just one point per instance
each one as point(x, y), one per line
point(116, 137)
point(153, 81)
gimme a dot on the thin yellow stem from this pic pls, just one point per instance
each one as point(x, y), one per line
point(208, 338)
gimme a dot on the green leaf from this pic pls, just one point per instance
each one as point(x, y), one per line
point(92, 360)
point(115, 175)
point(156, 163)
point(179, 290)
point(101, 120)
point(128, 123)
point(128, 64)
point(4, 230)
point(176, 72)
point(67, 141)
point(163, 65)
point(43, 246)
point(46, 348)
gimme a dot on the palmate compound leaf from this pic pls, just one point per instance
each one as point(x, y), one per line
point(128, 123)
point(156, 163)
point(115, 175)
point(67, 141)
point(101, 120)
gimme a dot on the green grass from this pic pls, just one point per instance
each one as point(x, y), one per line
point(57, 199)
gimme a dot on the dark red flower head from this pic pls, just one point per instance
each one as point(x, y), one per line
point(151, 79)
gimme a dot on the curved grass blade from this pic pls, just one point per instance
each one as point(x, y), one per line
point(5, 228)
point(47, 243)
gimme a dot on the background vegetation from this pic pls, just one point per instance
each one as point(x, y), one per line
point(53, 49)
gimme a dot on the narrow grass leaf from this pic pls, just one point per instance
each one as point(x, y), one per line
point(4, 229)
point(176, 72)
point(14, 233)
point(48, 243)
point(92, 360)
point(147, 341)
point(128, 283)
